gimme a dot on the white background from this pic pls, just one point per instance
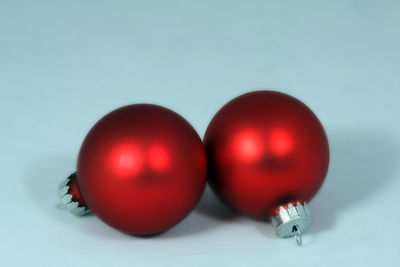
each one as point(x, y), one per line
point(64, 64)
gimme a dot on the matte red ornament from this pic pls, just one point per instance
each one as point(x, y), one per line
point(142, 169)
point(268, 155)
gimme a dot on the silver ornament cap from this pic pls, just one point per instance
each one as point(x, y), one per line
point(68, 200)
point(292, 220)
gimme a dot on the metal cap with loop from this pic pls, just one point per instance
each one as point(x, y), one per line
point(70, 196)
point(292, 220)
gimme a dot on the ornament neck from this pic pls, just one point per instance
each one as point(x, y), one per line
point(291, 220)
point(70, 196)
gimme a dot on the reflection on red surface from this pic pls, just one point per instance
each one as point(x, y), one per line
point(126, 160)
point(158, 157)
point(248, 146)
point(280, 143)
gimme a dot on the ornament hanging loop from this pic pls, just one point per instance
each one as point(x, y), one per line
point(297, 235)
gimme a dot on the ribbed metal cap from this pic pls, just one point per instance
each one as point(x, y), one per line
point(291, 220)
point(70, 196)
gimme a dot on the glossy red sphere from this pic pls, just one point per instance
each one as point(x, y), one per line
point(265, 149)
point(142, 169)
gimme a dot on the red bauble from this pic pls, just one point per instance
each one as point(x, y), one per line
point(266, 150)
point(141, 169)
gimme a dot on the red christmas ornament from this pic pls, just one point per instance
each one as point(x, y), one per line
point(141, 169)
point(268, 156)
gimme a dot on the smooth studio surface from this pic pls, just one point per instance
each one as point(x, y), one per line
point(65, 64)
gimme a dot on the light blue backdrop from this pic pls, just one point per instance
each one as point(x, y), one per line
point(64, 64)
